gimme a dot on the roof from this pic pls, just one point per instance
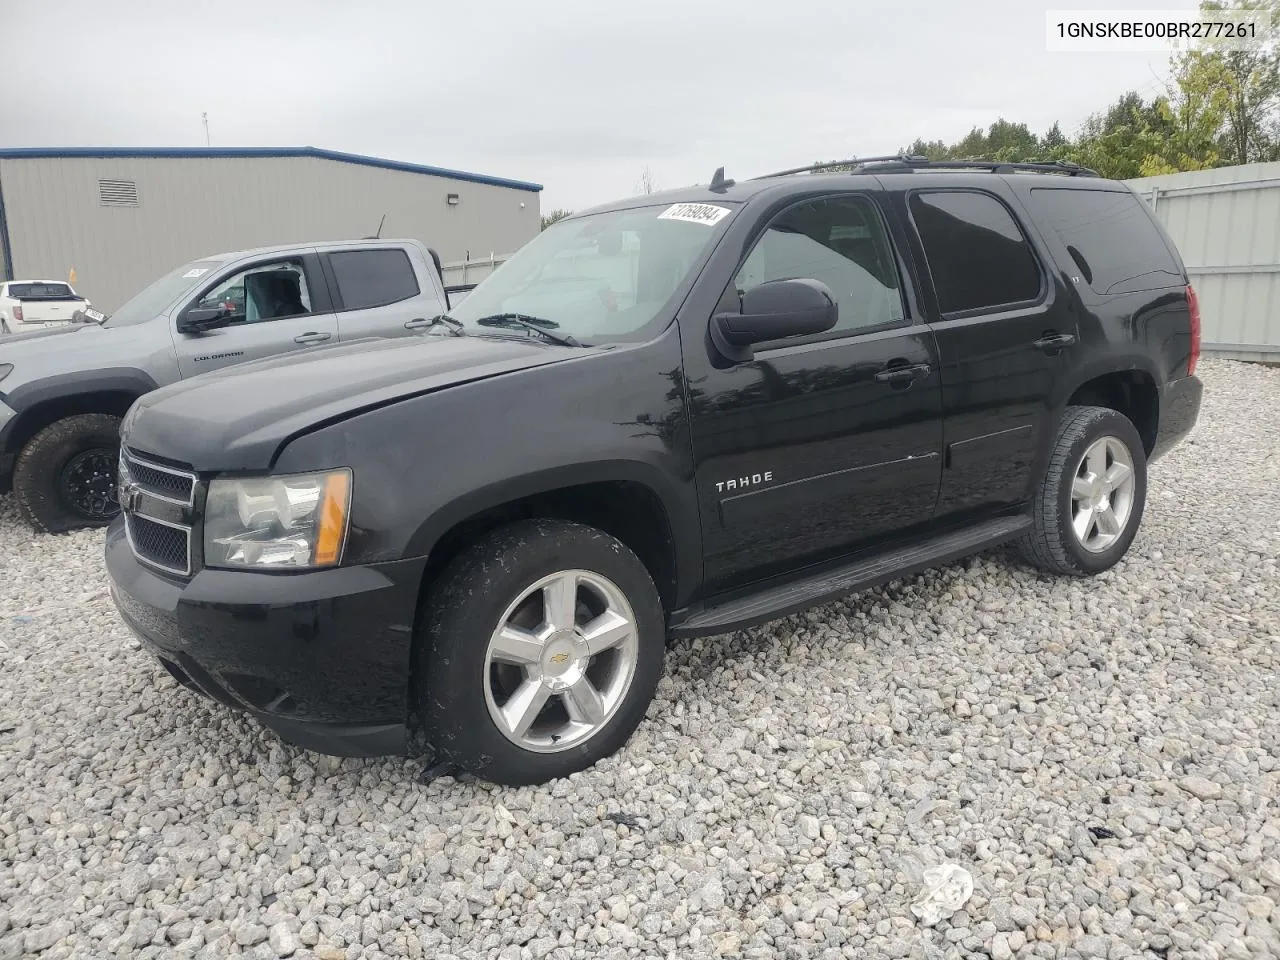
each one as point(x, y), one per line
point(39, 153)
point(801, 183)
point(229, 256)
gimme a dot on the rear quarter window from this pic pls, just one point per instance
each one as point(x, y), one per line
point(1110, 237)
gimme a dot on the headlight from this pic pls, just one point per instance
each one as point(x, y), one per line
point(292, 522)
point(5, 370)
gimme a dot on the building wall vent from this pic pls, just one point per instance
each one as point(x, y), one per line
point(118, 193)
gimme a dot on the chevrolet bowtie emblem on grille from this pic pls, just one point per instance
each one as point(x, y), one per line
point(130, 496)
point(560, 658)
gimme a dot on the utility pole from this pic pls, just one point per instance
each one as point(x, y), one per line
point(204, 118)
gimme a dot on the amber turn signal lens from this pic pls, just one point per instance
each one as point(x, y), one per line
point(333, 519)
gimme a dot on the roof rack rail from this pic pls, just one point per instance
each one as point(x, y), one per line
point(906, 162)
point(818, 167)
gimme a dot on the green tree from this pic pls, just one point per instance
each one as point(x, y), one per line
point(1053, 140)
point(1011, 142)
point(1248, 82)
point(558, 214)
point(933, 149)
point(1119, 140)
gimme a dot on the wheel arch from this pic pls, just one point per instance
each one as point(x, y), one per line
point(624, 499)
point(1129, 386)
point(43, 402)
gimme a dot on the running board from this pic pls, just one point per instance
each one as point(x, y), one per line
point(861, 574)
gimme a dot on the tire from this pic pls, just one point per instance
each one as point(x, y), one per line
point(77, 452)
point(1053, 544)
point(459, 689)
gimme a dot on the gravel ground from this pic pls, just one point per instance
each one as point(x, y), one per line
point(1101, 755)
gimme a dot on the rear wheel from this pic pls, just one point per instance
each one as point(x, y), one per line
point(541, 652)
point(65, 477)
point(1089, 504)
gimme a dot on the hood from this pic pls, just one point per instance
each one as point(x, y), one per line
point(44, 333)
point(238, 418)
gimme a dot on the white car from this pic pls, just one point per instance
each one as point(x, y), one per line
point(32, 304)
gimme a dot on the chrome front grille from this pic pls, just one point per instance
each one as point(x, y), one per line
point(158, 480)
point(160, 544)
point(156, 500)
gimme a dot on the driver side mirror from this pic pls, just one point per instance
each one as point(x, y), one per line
point(772, 311)
point(200, 319)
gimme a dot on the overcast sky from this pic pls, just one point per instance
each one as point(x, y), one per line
point(578, 95)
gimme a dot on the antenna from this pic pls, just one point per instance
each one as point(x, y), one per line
point(204, 118)
point(378, 235)
point(718, 183)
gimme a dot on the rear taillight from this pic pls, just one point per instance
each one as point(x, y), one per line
point(17, 314)
point(1193, 304)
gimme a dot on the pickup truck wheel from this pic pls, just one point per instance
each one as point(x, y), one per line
point(1088, 506)
point(541, 651)
point(65, 477)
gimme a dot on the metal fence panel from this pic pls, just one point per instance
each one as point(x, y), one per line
point(1226, 224)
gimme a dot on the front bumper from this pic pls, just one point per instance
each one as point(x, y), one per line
point(321, 658)
point(1179, 411)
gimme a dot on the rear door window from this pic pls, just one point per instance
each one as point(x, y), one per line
point(373, 278)
point(978, 256)
point(1110, 237)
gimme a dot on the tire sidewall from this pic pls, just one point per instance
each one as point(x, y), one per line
point(462, 615)
point(36, 476)
point(1112, 424)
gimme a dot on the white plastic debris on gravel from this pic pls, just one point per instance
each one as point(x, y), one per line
point(1101, 756)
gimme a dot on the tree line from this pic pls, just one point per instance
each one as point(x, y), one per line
point(1219, 108)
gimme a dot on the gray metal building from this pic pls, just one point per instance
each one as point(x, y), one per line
point(120, 218)
point(1226, 223)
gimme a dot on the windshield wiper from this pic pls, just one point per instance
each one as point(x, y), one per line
point(536, 324)
point(456, 328)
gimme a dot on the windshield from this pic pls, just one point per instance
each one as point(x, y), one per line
point(149, 304)
point(600, 277)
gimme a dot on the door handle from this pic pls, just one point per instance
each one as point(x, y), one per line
point(1051, 343)
point(310, 338)
point(901, 374)
point(417, 322)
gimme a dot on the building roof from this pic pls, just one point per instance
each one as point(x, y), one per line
point(35, 153)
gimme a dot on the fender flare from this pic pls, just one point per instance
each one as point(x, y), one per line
point(61, 385)
point(29, 397)
point(683, 526)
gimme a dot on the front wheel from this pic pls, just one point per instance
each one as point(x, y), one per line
point(65, 477)
point(541, 652)
point(1088, 506)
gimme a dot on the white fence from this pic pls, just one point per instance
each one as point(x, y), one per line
point(465, 273)
point(1226, 223)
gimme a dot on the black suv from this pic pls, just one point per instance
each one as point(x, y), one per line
point(676, 415)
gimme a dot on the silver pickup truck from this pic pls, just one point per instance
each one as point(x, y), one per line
point(64, 390)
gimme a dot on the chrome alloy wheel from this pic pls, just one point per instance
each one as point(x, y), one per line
point(1102, 493)
point(561, 661)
